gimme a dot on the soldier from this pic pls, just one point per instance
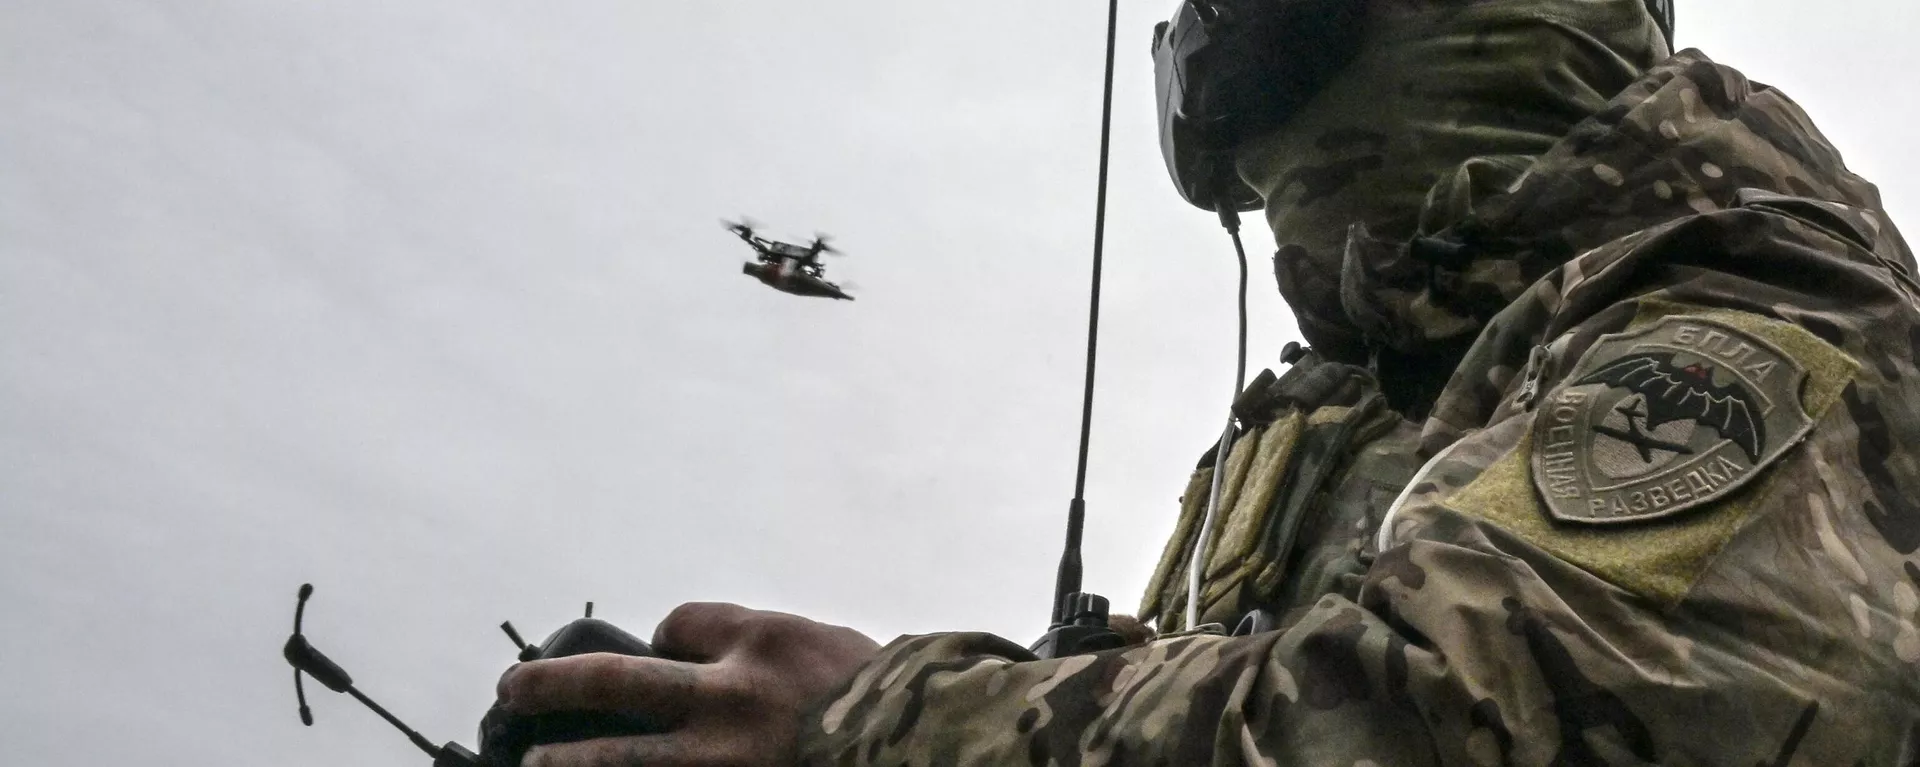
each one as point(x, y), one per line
point(1607, 452)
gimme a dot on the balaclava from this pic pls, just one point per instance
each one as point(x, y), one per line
point(1446, 103)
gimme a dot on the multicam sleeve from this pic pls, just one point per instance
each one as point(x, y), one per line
point(1464, 672)
point(1770, 621)
point(977, 699)
point(1458, 654)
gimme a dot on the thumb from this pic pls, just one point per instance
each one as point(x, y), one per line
point(701, 632)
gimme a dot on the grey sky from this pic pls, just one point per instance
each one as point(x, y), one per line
point(427, 303)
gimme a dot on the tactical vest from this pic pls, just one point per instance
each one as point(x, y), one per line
point(1317, 461)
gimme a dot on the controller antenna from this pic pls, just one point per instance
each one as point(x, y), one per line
point(304, 657)
point(527, 650)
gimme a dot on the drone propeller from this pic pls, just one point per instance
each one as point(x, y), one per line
point(824, 243)
point(744, 225)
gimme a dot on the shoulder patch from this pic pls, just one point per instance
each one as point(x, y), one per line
point(1668, 416)
point(1662, 558)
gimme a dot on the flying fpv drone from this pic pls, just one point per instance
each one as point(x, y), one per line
point(787, 267)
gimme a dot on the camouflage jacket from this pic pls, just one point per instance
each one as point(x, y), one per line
point(1666, 511)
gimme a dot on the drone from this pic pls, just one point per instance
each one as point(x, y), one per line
point(787, 267)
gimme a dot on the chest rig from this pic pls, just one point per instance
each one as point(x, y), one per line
point(1317, 457)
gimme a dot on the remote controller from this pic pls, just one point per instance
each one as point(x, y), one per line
point(505, 738)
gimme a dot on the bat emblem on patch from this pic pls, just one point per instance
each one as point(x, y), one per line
point(1673, 392)
point(1664, 418)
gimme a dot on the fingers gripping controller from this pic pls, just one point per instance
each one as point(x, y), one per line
point(505, 737)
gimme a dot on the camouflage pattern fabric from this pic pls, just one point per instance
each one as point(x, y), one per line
point(1698, 227)
point(1447, 103)
point(1319, 459)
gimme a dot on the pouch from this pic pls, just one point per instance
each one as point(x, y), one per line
point(1297, 433)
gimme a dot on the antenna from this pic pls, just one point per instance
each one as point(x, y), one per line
point(299, 690)
point(527, 650)
point(304, 657)
point(1078, 621)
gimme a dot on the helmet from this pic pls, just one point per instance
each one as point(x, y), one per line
point(1229, 70)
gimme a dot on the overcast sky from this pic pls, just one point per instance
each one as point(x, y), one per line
point(427, 303)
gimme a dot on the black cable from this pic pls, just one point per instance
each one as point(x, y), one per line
point(1231, 220)
point(1068, 580)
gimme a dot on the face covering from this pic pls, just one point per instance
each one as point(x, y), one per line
point(1446, 104)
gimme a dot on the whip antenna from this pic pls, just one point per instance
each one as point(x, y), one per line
point(1068, 581)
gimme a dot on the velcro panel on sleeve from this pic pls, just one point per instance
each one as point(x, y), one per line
point(1655, 555)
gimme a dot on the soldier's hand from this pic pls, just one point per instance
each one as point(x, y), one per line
point(734, 697)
